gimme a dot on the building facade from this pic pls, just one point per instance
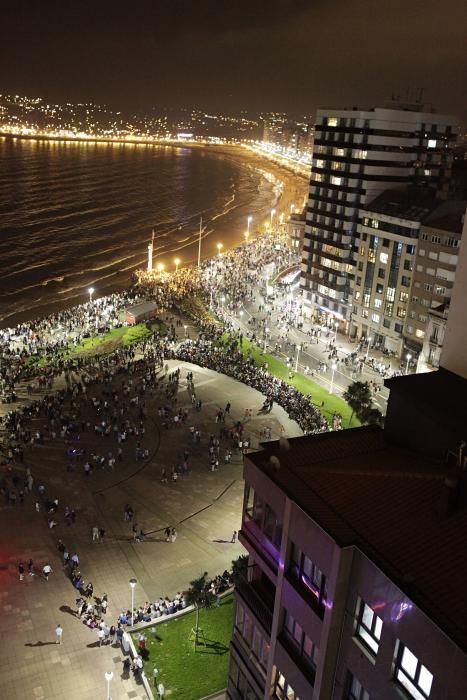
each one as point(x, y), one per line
point(325, 611)
point(433, 278)
point(296, 231)
point(356, 156)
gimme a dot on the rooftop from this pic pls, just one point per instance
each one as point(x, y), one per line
point(366, 492)
point(406, 203)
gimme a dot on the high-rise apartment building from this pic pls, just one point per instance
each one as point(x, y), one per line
point(356, 156)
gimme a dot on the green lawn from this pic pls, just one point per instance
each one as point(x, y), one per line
point(101, 344)
point(185, 673)
point(320, 396)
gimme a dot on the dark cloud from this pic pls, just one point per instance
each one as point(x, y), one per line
point(260, 54)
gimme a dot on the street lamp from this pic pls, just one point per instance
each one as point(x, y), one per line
point(160, 267)
point(185, 327)
point(281, 218)
point(336, 326)
point(132, 583)
point(292, 208)
point(273, 211)
point(368, 348)
point(177, 263)
point(241, 314)
point(219, 248)
point(248, 222)
point(108, 677)
point(333, 367)
point(90, 292)
point(408, 358)
point(299, 347)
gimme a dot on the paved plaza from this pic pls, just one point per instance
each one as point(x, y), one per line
point(204, 506)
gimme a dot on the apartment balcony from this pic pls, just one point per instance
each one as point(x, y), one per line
point(258, 596)
point(265, 553)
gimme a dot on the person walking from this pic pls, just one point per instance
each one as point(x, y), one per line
point(21, 571)
point(234, 537)
point(31, 567)
point(58, 634)
point(47, 570)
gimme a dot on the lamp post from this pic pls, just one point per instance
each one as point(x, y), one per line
point(160, 267)
point(333, 367)
point(408, 358)
point(248, 222)
point(90, 292)
point(273, 211)
point(336, 326)
point(186, 328)
point(132, 583)
point(108, 677)
point(368, 348)
point(177, 263)
point(281, 218)
point(299, 347)
point(219, 248)
point(241, 315)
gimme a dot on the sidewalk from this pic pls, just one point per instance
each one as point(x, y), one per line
point(204, 506)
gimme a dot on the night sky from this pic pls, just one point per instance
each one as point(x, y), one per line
point(291, 55)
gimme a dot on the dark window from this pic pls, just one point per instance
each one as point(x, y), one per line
point(310, 578)
point(381, 273)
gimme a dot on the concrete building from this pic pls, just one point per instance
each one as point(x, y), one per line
point(356, 156)
point(296, 231)
point(433, 278)
point(385, 263)
point(348, 534)
point(430, 356)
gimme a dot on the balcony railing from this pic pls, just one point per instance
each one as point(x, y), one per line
point(258, 599)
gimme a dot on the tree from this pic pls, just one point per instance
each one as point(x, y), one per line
point(358, 396)
point(372, 416)
point(199, 595)
point(239, 568)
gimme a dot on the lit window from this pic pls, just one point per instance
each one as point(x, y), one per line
point(440, 291)
point(332, 121)
point(319, 163)
point(427, 172)
point(375, 318)
point(283, 690)
point(378, 303)
point(309, 577)
point(383, 257)
point(336, 180)
point(374, 223)
point(420, 334)
point(412, 675)
point(431, 143)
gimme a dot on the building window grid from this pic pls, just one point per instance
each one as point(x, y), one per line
point(283, 690)
point(304, 646)
point(369, 626)
point(412, 675)
point(308, 574)
point(355, 690)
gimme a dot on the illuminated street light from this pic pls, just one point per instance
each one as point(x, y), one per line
point(333, 367)
point(281, 218)
point(299, 347)
point(248, 222)
point(132, 583)
point(186, 328)
point(108, 677)
point(273, 211)
point(160, 267)
point(368, 347)
point(177, 263)
point(90, 292)
point(408, 358)
point(247, 235)
point(336, 326)
point(219, 248)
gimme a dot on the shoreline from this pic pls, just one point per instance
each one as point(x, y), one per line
point(287, 187)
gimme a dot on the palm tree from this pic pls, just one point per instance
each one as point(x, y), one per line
point(200, 596)
point(358, 396)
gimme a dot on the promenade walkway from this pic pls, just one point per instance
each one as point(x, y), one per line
point(204, 506)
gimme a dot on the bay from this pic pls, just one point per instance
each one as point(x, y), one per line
point(79, 214)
